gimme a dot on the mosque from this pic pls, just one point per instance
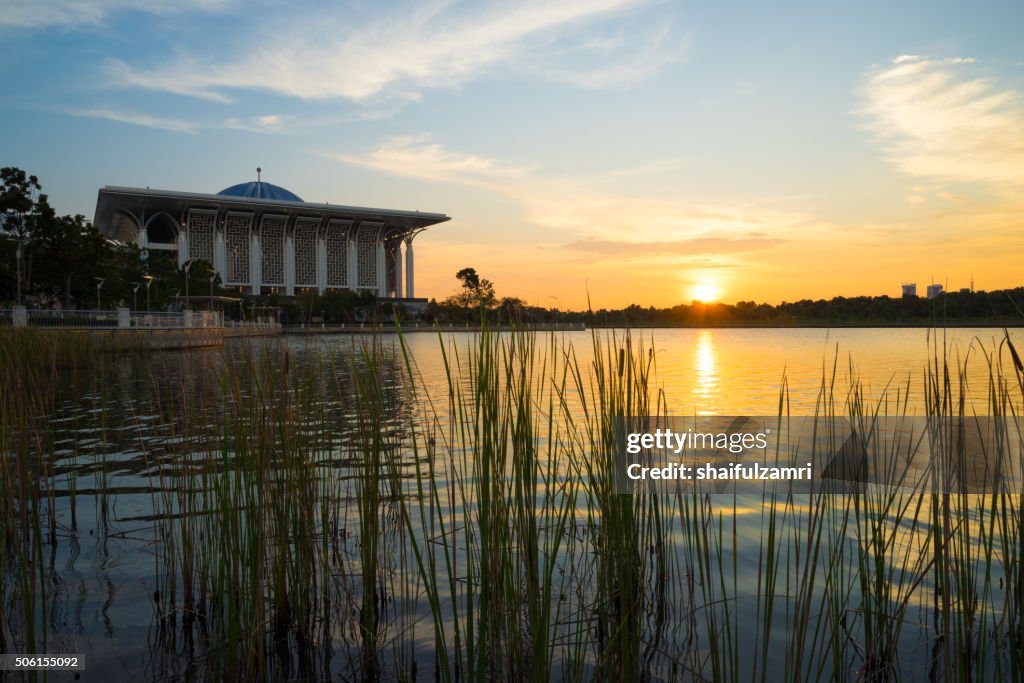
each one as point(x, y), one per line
point(262, 238)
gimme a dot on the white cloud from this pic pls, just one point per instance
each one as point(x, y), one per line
point(271, 123)
point(420, 157)
point(653, 219)
point(35, 14)
point(259, 124)
point(937, 118)
point(579, 207)
point(137, 119)
point(630, 64)
point(414, 48)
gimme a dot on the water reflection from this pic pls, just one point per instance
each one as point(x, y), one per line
point(117, 452)
point(705, 366)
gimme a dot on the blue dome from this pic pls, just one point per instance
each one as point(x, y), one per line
point(260, 190)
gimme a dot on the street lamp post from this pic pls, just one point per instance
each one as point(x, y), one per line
point(17, 255)
point(99, 286)
point(188, 267)
point(149, 280)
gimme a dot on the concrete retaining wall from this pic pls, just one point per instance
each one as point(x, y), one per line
point(156, 340)
point(230, 332)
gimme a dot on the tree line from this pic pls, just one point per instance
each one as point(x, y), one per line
point(477, 300)
point(66, 262)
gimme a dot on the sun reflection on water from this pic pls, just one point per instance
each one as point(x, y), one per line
point(705, 389)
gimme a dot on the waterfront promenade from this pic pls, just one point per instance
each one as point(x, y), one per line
point(124, 329)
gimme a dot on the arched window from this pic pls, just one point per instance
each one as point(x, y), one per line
point(162, 229)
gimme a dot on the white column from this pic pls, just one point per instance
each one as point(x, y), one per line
point(353, 258)
point(321, 263)
point(410, 290)
point(382, 267)
point(220, 255)
point(398, 270)
point(183, 254)
point(289, 264)
point(255, 262)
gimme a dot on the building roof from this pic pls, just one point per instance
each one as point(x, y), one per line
point(115, 203)
point(260, 190)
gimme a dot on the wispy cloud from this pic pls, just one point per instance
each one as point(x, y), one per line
point(629, 63)
point(36, 14)
point(137, 119)
point(414, 48)
point(938, 118)
point(418, 156)
point(258, 124)
point(580, 207)
point(610, 216)
point(696, 246)
point(271, 123)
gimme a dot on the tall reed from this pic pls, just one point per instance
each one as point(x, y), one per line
point(321, 513)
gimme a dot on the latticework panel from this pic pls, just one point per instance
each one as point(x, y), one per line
point(236, 236)
point(367, 257)
point(337, 254)
point(200, 234)
point(272, 246)
point(305, 252)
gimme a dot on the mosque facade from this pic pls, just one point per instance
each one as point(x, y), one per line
point(264, 239)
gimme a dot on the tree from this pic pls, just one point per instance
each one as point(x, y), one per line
point(72, 254)
point(512, 309)
point(22, 206)
point(475, 290)
point(19, 200)
point(469, 278)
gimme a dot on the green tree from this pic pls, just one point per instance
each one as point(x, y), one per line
point(22, 207)
point(476, 291)
point(512, 309)
point(72, 253)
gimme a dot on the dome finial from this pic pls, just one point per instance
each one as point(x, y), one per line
point(258, 172)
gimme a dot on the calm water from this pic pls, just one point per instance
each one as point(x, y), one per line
point(102, 569)
point(741, 371)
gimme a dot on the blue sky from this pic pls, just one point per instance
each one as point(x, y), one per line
point(633, 150)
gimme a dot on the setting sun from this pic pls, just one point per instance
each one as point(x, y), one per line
point(704, 292)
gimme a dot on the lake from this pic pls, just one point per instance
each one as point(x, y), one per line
point(188, 501)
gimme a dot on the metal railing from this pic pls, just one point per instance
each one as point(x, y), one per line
point(183, 320)
point(72, 318)
point(120, 318)
point(263, 323)
point(158, 321)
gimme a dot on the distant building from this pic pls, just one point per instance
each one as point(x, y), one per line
point(910, 290)
point(262, 238)
point(933, 291)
